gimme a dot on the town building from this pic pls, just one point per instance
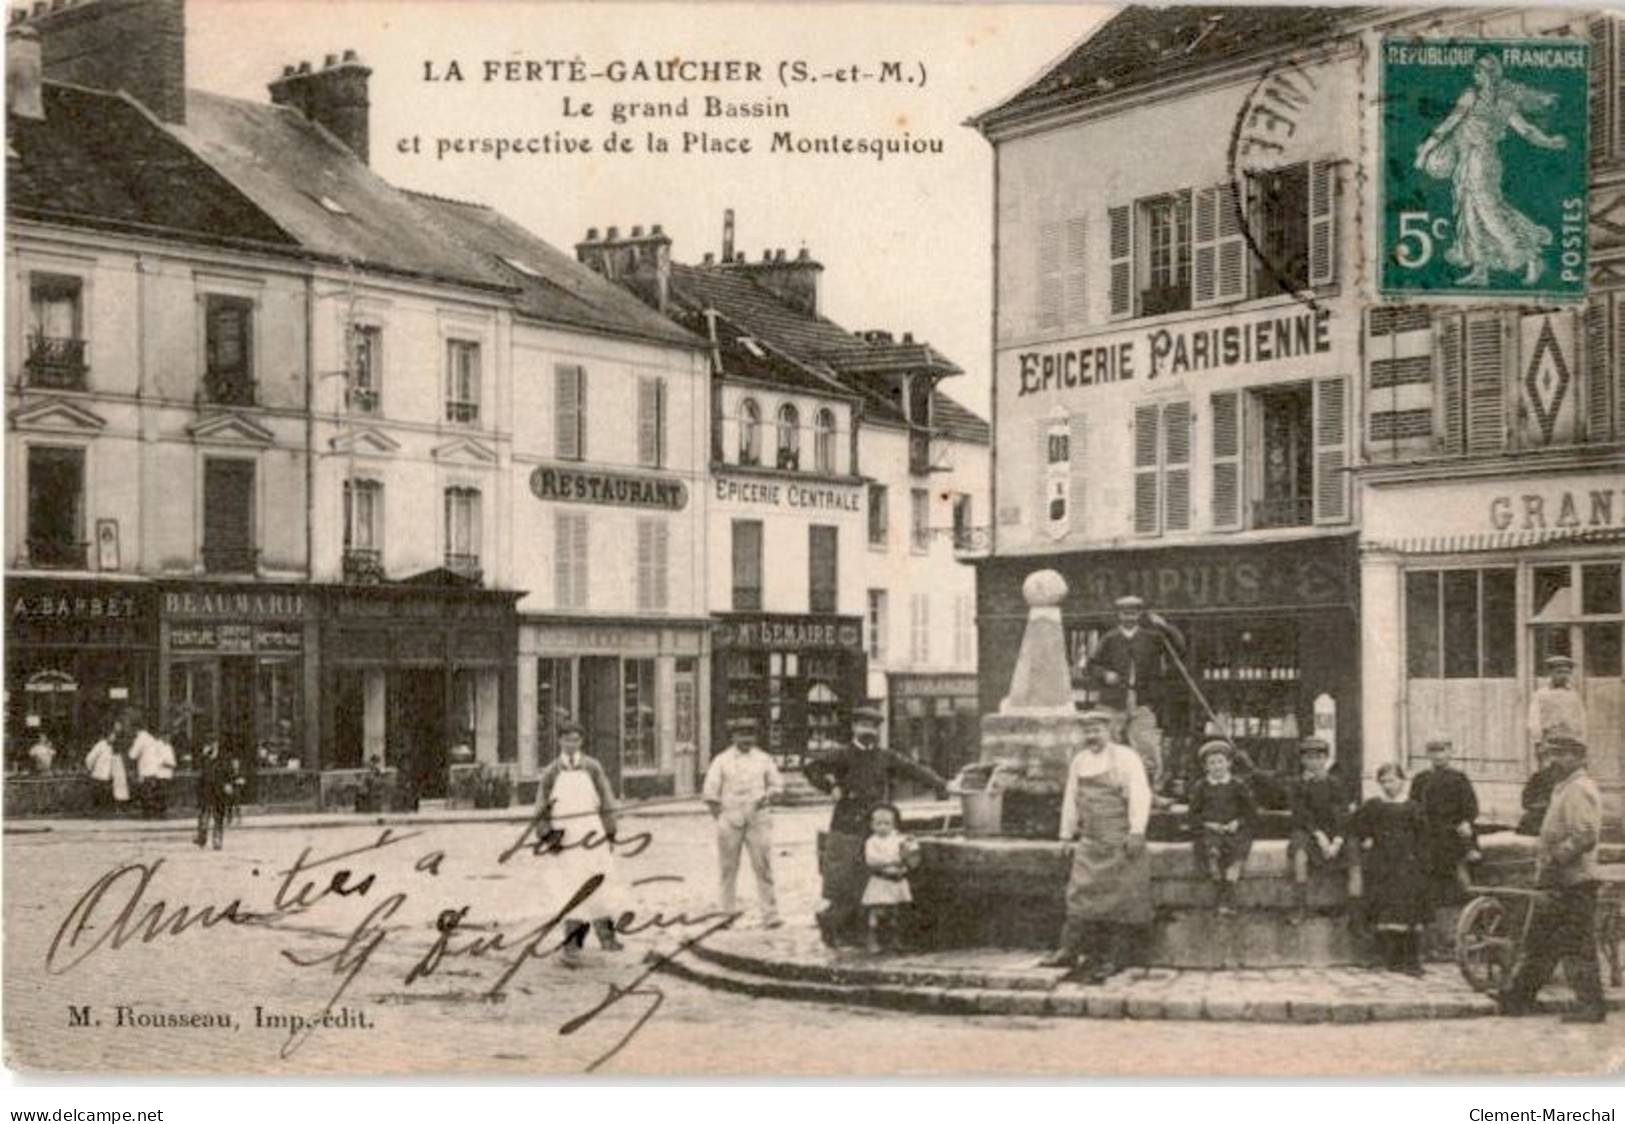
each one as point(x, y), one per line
point(1202, 397)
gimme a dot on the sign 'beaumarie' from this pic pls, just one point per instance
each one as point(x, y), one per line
point(1160, 352)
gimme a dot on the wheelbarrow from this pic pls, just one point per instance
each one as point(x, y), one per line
point(1494, 925)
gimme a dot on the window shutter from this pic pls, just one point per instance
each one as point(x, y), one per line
point(1121, 264)
point(1322, 223)
point(1331, 450)
point(567, 412)
point(648, 422)
point(1605, 92)
point(1226, 408)
point(1146, 511)
point(1600, 384)
point(645, 567)
point(661, 564)
point(1616, 366)
point(1078, 486)
point(1486, 383)
point(1176, 472)
point(578, 560)
point(561, 560)
point(661, 422)
point(1076, 272)
point(1049, 275)
point(1204, 235)
point(1449, 346)
point(1231, 248)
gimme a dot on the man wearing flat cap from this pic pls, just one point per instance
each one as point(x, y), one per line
point(1564, 926)
point(740, 784)
point(1125, 666)
point(1104, 811)
point(575, 820)
point(860, 776)
point(1557, 707)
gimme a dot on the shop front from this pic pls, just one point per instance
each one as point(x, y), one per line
point(1467, 587)
point(1271, 631)
point(635, 687)
point(418, 675)
point(238, 667)
point(798, 675)
point(934, 719)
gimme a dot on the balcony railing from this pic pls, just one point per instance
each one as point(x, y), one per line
point(230, 559)
point(464, 565)
point(463, 413)
point(222, 389)
point(56, 363)
point(363, 565)
point(1290, 511)
point(57, 554)
point(361, 400)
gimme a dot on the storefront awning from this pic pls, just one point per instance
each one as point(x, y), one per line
point(1497, 541)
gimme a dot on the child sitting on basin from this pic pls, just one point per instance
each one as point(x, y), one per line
point(889, 855)
point(1222, 812)
point(1320, 813)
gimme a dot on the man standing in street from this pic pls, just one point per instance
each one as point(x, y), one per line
point(154, 767)
point(1557, 708)
point(574, 804)
point(860, 777)
point(1564, 927)
point(1125, 665)
point(740, 784)
point(1104, 811)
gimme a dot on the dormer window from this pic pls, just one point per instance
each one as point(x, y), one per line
point(789, 437)
point(824, 441)
point(750, 432)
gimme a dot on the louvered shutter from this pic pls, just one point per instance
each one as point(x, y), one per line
point(1605, 88)
point(1332, 484)
point(649, 422)
point(1146, 508)
point(1121, 247)
point(1616, 364)
point(1226, 408)
point(563, 554)
point(644, 592)
point(1231, 255)
point(1204, 244)
point(567, 412)
point(1322, 223)
point(660, 579)
point(578, 560)
point(228, 510)
point(1078, 485)
point(1049, 275)
point(1599, 371)
point(1176, 461)
point(1075, 265)
point(1449, 346)
point(1486, 383)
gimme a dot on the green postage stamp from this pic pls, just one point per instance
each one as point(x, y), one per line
point(1484, 158)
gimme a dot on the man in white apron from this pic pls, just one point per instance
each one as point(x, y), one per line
point(574, 801)
point(1104, 812)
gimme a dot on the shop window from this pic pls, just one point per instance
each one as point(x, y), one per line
point(823, 568)
point(464, 720)
point(569, 412)
point(463, 531)
point(228, 516)
point(570, 576)
point(364, 379)
point(877, 626)
point(363, 530)
point(229, 350)
point(789, 430)
point(879, 515)
point(919, 520)
point(463, 381)
point(640, 747)
point(348, 747)
point(1552, 591)
point(747, 564)
point(1599, 588)
point(56, 344)
point(1602, 650)
point(750, 432)
point(654, 565)
point(824, 441)
point(651, 422)
point(278, 713)
point(192, 702)
point(1461, 624)
point(56, 507)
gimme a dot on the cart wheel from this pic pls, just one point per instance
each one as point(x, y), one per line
point(1485, 947)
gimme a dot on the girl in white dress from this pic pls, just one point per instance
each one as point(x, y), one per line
point(889, 855)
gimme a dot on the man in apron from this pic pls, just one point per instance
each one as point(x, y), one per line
point(1104, 812)
point(575, 816)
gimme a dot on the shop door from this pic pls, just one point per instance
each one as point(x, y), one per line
point(237, 718)
point(419, 729)
point(601, 712)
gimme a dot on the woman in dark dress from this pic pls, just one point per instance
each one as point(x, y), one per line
point(1393, 837)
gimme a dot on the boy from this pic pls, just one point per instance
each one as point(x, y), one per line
point(1449, 806)
point(1221, 816)
point(1320, 822)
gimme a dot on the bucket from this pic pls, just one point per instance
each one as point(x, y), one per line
point(982, 811)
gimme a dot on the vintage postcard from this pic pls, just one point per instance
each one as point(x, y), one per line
point(813, 540)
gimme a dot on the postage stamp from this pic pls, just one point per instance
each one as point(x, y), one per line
point(1484, 158)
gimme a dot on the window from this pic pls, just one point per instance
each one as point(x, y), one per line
point(463, 531)
point(1166, 284)
point(823, 568)
point(877, 626)
point(1286, 469)
point(919, 629)
point(229, 350)
point(570, 574)
point(462, 382)
point(56, 507)
point(1461, 624)
point(569, 412)
point(962, 521)
point(56, 345)
point(651, 422)
point(363, 529)
point(789, 437)
point(1280, 456)
point(465, 708)
point(747, 564)
point(654, 546)
point(228, 516)
point(1607, 118)
point(920, 520)
point(824, 441)
point(640, 746)
point(879, 515)
point(750, 432)
point(1604, 401)
point(1279, 202)
point(555, 702)
point(366, 368)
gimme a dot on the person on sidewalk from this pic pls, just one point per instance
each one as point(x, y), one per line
point(1557, 707)
point(860, 777)
point(216, 795)
point(1104, 811)
point(105, 764)
point(1393, 838)
point(1449, 806)
point(154, 767)
point(575, 820)
point(739, 787)
point(1564, 927)
point(1126, 667)
point(1222, 815)
point(1319, 833)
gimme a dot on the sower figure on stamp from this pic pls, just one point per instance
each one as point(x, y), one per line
point(1564, 927)
point(860, 777)
point(575, 819)
point(1104, 812)
point(740, 784)
point(1125, 665)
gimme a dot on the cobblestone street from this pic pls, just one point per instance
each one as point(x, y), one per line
point(442, 1021)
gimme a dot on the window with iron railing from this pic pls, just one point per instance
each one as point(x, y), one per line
point(228, 516)
point(363, 530)
point(56, 345)
point(462, 381)
point(463, 531)
point(228, 377)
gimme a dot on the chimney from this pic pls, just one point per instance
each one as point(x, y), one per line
point(138, 46)
point(23, 74)
point(728, 235)
point(641, 263)
point(335, 97)
point(793, 280)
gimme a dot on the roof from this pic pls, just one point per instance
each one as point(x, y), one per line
point(552, 285)
point(959, 422)
point(1140, 46)
point(100, 158)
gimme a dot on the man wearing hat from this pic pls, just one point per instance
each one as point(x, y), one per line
point(1319, 806)
point(1449, 808)
point(740, 784)
point(860, 776)
point(1557, 707)
point(1564, 927)
point(1104, 811)
point(1125, 666)
point(575, 816)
